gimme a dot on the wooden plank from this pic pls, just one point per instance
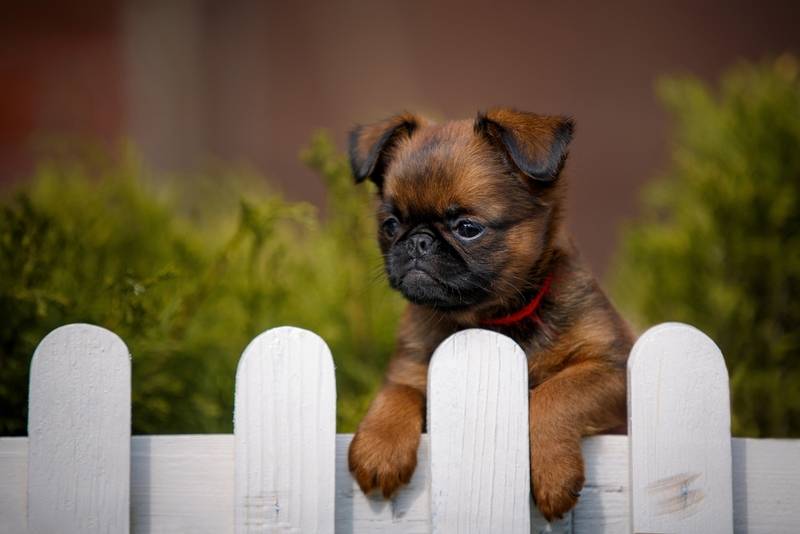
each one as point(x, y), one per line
point(603, 506)
point(478, 428)
point(285, 434)
point(182, 484)
point(408, 512)
point(13, 485)
point(766, 485)
point(185, 484)
point(679, 430)
point(79, 427)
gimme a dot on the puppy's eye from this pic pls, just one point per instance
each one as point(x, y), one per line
point(467, 229)
point(389, 226)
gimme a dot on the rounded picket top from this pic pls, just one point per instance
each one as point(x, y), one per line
point(284, 433)
point(679, 433)
point(478, 431)
point(448, 353)
point(701, 349)
point(53, 345)
point(281, 337)
point(79, 428)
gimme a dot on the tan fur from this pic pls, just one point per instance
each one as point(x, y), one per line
point(576, 350)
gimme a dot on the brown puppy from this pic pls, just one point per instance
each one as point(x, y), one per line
point(471, 228)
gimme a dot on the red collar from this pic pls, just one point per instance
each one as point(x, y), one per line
point(528, 311)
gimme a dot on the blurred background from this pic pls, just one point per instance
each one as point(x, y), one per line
point(174, 171)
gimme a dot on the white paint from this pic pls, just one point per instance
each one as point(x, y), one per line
point(603, 505)
point(408, 512)
point(13, 485)
point(183, 484)
point(285, 431)
point(186, 483)
point(766, 485)
point(679, 430)
point(478, 422)
point(79, 428)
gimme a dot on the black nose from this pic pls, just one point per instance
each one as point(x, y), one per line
point(419, 244)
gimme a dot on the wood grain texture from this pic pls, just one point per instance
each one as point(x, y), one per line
point(285, 432)
point(407, 512)
point(766, 485)
point(603, 506)
point(184, 484)
point(679, 431)
point(478, 427)
point(13, 485)
point(79, 428)
point(72, 473)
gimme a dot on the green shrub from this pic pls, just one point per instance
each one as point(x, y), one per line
point(187, 271)
point(718, 245)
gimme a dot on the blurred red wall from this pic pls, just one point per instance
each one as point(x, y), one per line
point(61, 75)
point(247, 82)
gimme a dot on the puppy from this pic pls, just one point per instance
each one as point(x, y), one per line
point(471, 227)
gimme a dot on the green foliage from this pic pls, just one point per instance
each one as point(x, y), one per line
point(718, 245)
point(187, 271)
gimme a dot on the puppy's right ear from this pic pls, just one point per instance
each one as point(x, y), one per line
point(536, 144)
point(371, 146)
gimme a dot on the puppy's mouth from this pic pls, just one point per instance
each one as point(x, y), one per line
point(417, 275)
point(422, 287)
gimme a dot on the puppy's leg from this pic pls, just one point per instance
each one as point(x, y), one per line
point(383, 453)
point(583, 399)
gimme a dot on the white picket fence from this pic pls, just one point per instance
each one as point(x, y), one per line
point(285, 469)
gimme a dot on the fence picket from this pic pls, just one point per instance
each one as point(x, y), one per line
point(679, 431)
point(478, 426)
point(79, 428)
point(672, 473)
point(284, 433)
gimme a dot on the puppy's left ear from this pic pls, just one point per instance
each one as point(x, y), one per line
point(535, 144)
point(371, 145)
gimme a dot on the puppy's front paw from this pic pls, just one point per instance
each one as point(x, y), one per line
point(556, 477)
point(382, 460)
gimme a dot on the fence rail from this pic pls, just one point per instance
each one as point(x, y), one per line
point(285, 469)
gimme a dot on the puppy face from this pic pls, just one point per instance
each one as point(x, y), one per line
point(466, 208)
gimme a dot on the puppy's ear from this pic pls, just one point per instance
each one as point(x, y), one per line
point(371, 145)
point(535, 144)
